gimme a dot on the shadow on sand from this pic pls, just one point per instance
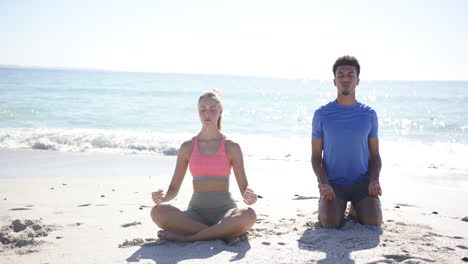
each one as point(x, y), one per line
point(338, 244)
point(166, 252)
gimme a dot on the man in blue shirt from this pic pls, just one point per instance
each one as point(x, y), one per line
point(345, 152)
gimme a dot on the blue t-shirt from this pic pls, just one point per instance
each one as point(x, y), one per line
point(345, 131)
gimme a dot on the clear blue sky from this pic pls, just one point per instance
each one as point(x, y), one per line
point(393, 40)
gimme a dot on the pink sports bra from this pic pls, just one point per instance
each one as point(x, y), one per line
point(216, 167)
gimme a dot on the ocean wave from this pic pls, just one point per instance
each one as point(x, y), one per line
point(404, 153)
point(81, 140)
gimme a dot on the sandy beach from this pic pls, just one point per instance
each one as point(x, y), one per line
point(98, 97)
point(94, 208)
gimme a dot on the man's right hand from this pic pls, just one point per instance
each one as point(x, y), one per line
point(326, 192)
point(374, 188)
point(158, 196)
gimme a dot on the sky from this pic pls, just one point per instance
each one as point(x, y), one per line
point(393, 40)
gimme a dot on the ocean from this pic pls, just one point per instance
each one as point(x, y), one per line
point(421, 123)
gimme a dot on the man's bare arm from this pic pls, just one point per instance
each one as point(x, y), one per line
point(317, 162)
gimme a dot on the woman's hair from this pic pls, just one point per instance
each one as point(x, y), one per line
point(213, 93)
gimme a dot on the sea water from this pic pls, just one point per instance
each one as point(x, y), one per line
point(421, 123)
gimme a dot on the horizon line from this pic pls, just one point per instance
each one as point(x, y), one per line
point(207, 74)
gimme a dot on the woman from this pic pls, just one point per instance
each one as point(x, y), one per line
point(212, 212)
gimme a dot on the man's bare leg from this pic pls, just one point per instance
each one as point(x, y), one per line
point(368, 211)
point(331, 212)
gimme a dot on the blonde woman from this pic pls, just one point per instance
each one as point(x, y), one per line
point(212, 212)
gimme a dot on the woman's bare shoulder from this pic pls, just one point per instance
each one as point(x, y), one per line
point(232, 147)
point(186, 147)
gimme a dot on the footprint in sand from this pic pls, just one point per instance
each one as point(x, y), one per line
point(262, 216)
point(132, 243)
point(313, 225)
point(301, 197)
point(437, 235)
point(401, 258)
point(131, 224)
point(76, 224)
point(404, 205)
point(139, 242)
point(260, 219)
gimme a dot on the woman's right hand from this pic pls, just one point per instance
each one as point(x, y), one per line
point(158, 196)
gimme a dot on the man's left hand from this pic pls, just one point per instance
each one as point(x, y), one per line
point(374, 188)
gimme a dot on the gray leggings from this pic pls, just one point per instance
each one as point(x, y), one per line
point(211, 207)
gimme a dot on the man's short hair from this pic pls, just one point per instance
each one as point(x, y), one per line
point(347, 60)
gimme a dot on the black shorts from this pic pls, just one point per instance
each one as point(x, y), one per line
point(354, 192)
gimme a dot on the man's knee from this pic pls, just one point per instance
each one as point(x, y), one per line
point(369, 212)
point(330, 220)
point(331, 213)
point(375, 220)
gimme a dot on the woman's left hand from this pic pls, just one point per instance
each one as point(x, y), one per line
point(249, 196)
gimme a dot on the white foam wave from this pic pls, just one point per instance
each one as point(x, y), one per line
point(88, 140)
point(403, 153)
point(411, 154)
point(434, 155)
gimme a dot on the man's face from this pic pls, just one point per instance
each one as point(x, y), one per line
point(346, 79)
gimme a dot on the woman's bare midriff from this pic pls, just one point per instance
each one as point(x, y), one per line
point(210, 185)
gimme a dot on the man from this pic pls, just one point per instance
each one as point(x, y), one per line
point(346, 132)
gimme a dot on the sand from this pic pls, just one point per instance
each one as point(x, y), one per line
point(94, 208)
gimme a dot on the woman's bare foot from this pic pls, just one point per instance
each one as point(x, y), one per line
point(168, 235)
point(236, 240)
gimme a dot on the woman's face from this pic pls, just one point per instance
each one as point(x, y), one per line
point(209, 110)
